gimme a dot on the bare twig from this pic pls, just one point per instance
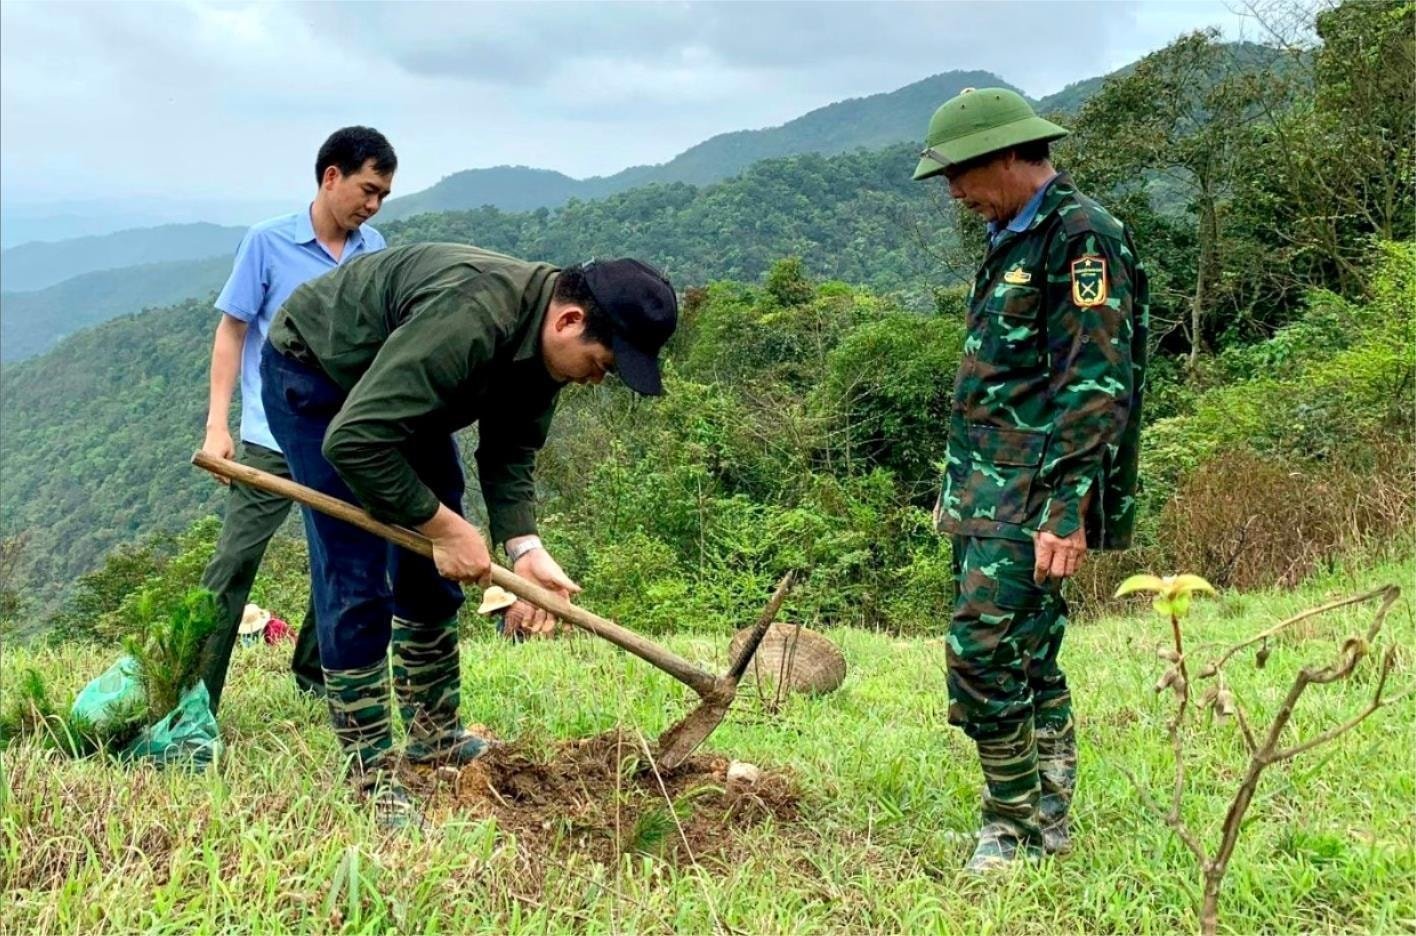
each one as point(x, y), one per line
point(1248, 734)
point(1262, 755)
point(1390, 591)
point(1388, 660)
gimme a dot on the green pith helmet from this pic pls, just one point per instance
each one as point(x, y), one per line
point(979, 122)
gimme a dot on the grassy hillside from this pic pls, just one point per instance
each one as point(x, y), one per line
point(33, 322)
point(37, 265)
point(883, 789)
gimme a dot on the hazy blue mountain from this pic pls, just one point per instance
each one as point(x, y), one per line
point(40, 264)
point(33, 322)
point(510, 188)
point(24, 220)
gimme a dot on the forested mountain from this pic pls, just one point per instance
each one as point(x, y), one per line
point(37, 265)
point(869, 122)
point(33, 322)
point(855, 216)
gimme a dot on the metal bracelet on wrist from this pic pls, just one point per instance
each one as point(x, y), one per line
point(530, 544)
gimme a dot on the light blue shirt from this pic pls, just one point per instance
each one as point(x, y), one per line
point(276, 256)
point(1023, 218)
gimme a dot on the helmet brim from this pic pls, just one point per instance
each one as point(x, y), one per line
point(940, 156)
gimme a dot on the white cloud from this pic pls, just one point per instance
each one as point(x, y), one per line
point(230, 100)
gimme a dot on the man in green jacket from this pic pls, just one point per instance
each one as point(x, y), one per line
point(367, 374)
point(1043, 446)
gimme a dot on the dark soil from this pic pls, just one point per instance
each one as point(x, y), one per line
point(601, 797)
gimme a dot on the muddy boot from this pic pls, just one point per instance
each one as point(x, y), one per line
point(361, 713)
point(428, 681)
point(1057, 769)
point(1009, 831)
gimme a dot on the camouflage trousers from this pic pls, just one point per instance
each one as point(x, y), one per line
point(1006, 690)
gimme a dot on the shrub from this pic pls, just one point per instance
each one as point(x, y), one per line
point(1245, 521)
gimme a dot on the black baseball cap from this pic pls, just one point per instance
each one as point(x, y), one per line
point(640, 303)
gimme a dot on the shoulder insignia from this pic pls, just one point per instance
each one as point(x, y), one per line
point(1089, 281)
point(1017, 277)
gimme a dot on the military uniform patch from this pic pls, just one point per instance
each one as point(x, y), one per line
point(1017, 277)
point(1089, 281)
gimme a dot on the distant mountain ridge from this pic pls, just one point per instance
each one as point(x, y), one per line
point(41, 264)
point(869, 122)
point(34, 322)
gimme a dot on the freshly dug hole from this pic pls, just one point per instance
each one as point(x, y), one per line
point(600, 797)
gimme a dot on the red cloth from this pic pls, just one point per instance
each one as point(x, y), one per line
point(277, 630)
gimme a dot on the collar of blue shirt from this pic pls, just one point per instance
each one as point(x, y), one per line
point(305, 229)
point(1023, 218)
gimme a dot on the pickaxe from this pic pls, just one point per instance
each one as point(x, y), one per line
point(715, 693)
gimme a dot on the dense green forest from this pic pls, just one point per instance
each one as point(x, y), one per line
point(40, 264)
point(855, 216)
point(804, 420)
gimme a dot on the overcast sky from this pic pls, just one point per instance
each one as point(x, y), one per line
point(188, 100)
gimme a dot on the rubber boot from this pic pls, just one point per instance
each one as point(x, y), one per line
point(360, 710)
point(1008, 831)
point(1057, 770)
point(428, 681)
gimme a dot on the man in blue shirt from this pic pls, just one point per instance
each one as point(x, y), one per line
point(354, 169)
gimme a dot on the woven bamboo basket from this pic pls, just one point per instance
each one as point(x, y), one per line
point(795, 658)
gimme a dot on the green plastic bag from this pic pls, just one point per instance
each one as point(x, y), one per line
point(115, 694)
point(186, 736)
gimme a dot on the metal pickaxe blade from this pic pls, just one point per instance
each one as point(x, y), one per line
point(678, 742)
point(684, 737)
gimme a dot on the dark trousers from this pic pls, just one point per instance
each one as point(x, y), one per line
point(252, 518)
point(360, 580)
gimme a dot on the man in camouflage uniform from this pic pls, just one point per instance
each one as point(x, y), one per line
point(1043, 443)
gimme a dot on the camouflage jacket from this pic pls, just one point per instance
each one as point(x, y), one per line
point(1047, 403)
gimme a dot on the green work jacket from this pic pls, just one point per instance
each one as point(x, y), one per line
point(430, 338)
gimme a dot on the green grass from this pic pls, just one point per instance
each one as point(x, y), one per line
point(271, 842)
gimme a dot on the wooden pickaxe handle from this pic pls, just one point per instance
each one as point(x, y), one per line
point(701, 682)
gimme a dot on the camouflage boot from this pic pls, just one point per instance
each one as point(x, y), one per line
point(1057, 769)
point(1009, 832)
point(427, 678)
point(359, 709)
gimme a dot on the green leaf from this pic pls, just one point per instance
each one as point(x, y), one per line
point(1188, 584)
point(1141, 582)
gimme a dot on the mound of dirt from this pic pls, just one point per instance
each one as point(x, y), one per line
point(602, 797)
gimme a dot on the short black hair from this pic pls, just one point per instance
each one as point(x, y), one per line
point(348, 148)
point(572, 289)
point(1036, 152)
